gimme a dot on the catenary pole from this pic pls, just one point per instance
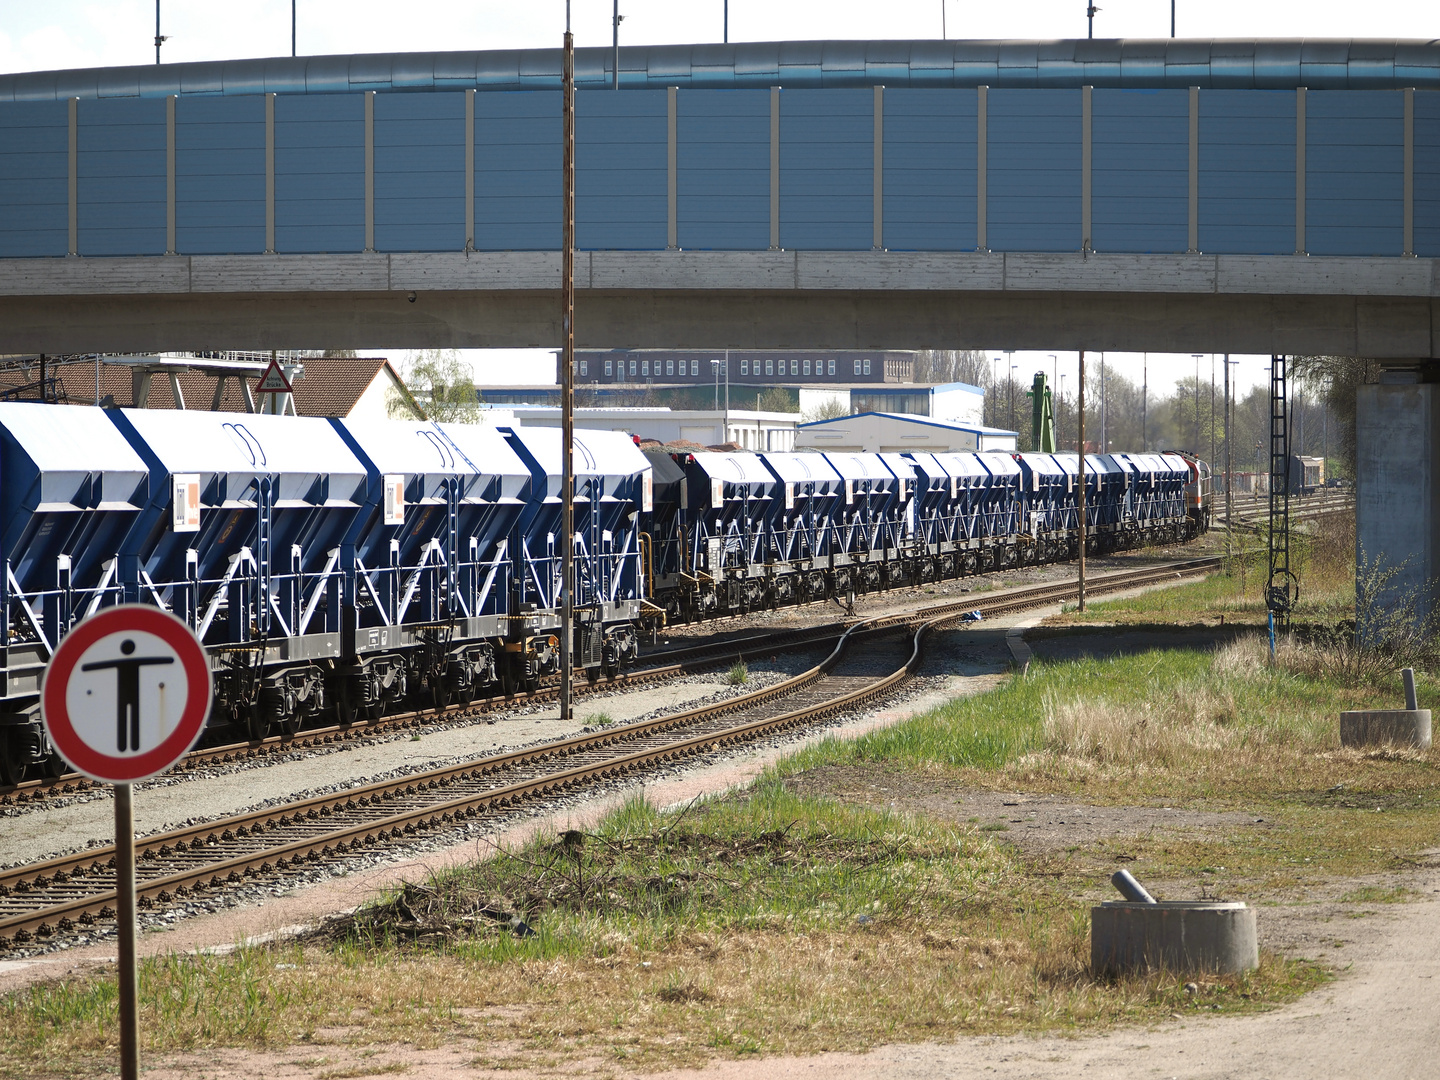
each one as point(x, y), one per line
point(567, 379)
point(1229, 479)
point(1080, 480)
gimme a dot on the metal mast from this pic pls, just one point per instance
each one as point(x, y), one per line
point(1229, 464)
point(1280, 585)
point(1080, 480)
point(618, 17)
point(567, 380)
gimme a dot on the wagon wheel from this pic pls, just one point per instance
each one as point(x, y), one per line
point(12, 765)
point(255, 723)
point(347, 711)
point(440, 692)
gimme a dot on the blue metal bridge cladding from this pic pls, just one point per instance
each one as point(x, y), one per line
point(722, 170)
point(1247, 172)
point(34, 174)
point(1354, 171)
point(1033, 170)
point(931, 147)
point(1140, 172)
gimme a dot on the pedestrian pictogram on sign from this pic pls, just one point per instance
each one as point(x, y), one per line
point(126, 694)
point(274, 380)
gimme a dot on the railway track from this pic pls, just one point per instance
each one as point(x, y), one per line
point(44, 902)
point(674, 662)
point(661, 666)
point(1302, 508)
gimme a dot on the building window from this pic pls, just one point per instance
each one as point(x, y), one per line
point(584, 367)
point(769, 367)
point(867, 367)
point(807, 367)
point(694, 367)
point(857, 367)
point(644, 367)
point(744, 367)
point(607, 366)
point(632, 367)
point(832, 368)
point(669, 367)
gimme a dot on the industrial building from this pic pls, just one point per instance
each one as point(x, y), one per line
point(746, 428)
point(877, 432)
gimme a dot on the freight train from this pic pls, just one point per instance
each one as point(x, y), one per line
point(336, 569)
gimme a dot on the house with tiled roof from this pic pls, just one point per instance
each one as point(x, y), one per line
point(323, 385)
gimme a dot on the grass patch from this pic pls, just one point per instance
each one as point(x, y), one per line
point(1219, 730)
point(1322, 556)
point(739, 674)
point(763, 923)
point(1379, 894)
point(1185, 722)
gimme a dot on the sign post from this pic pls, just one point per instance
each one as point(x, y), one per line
point(125, 696)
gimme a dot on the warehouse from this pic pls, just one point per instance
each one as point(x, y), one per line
point(880, 432)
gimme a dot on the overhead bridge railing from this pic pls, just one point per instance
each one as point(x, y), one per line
point(1079, 168)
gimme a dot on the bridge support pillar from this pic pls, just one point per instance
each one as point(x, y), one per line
point(1397, 501)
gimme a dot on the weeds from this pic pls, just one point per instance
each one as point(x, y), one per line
point(739, 674)
point(1172, 722)
point(766, 922)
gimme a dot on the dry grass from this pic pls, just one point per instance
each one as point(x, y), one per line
point(1322, 558)
point(842, 929)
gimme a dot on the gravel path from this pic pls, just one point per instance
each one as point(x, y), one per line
point(44, 830)
point(1377, 1021)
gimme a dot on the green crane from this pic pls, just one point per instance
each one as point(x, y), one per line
point(1043, 415)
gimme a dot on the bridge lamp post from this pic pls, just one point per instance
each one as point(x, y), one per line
point(1060, 401)
point(719, 366)
point(1196, 427)
point(618, 20)
point(1014, 426)
point(159, 39)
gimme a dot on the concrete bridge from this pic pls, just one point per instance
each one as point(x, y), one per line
point(1138, 195)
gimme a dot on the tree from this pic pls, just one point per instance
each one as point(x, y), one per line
point(1335, 380)
point(829, 409)
point(778, 399)
point(441, 385)
point(951, 365)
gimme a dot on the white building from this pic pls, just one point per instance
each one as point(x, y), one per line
point(874, 432)
point(707, 427)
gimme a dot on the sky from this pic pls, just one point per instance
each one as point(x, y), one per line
point(85, 33)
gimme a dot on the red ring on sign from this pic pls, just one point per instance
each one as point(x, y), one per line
point(59, 725)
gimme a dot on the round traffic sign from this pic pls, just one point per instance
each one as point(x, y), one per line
point(126, 694)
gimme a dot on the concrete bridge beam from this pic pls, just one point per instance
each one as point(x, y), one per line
point(1179, 303)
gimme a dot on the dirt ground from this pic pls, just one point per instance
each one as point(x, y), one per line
point(1376, 1020)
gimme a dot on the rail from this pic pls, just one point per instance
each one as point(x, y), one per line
point(55, 897)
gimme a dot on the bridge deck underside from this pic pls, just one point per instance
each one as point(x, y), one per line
point(1374, 307)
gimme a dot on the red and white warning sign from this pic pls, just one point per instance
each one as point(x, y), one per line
point(274, 380)
point(126, 694)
